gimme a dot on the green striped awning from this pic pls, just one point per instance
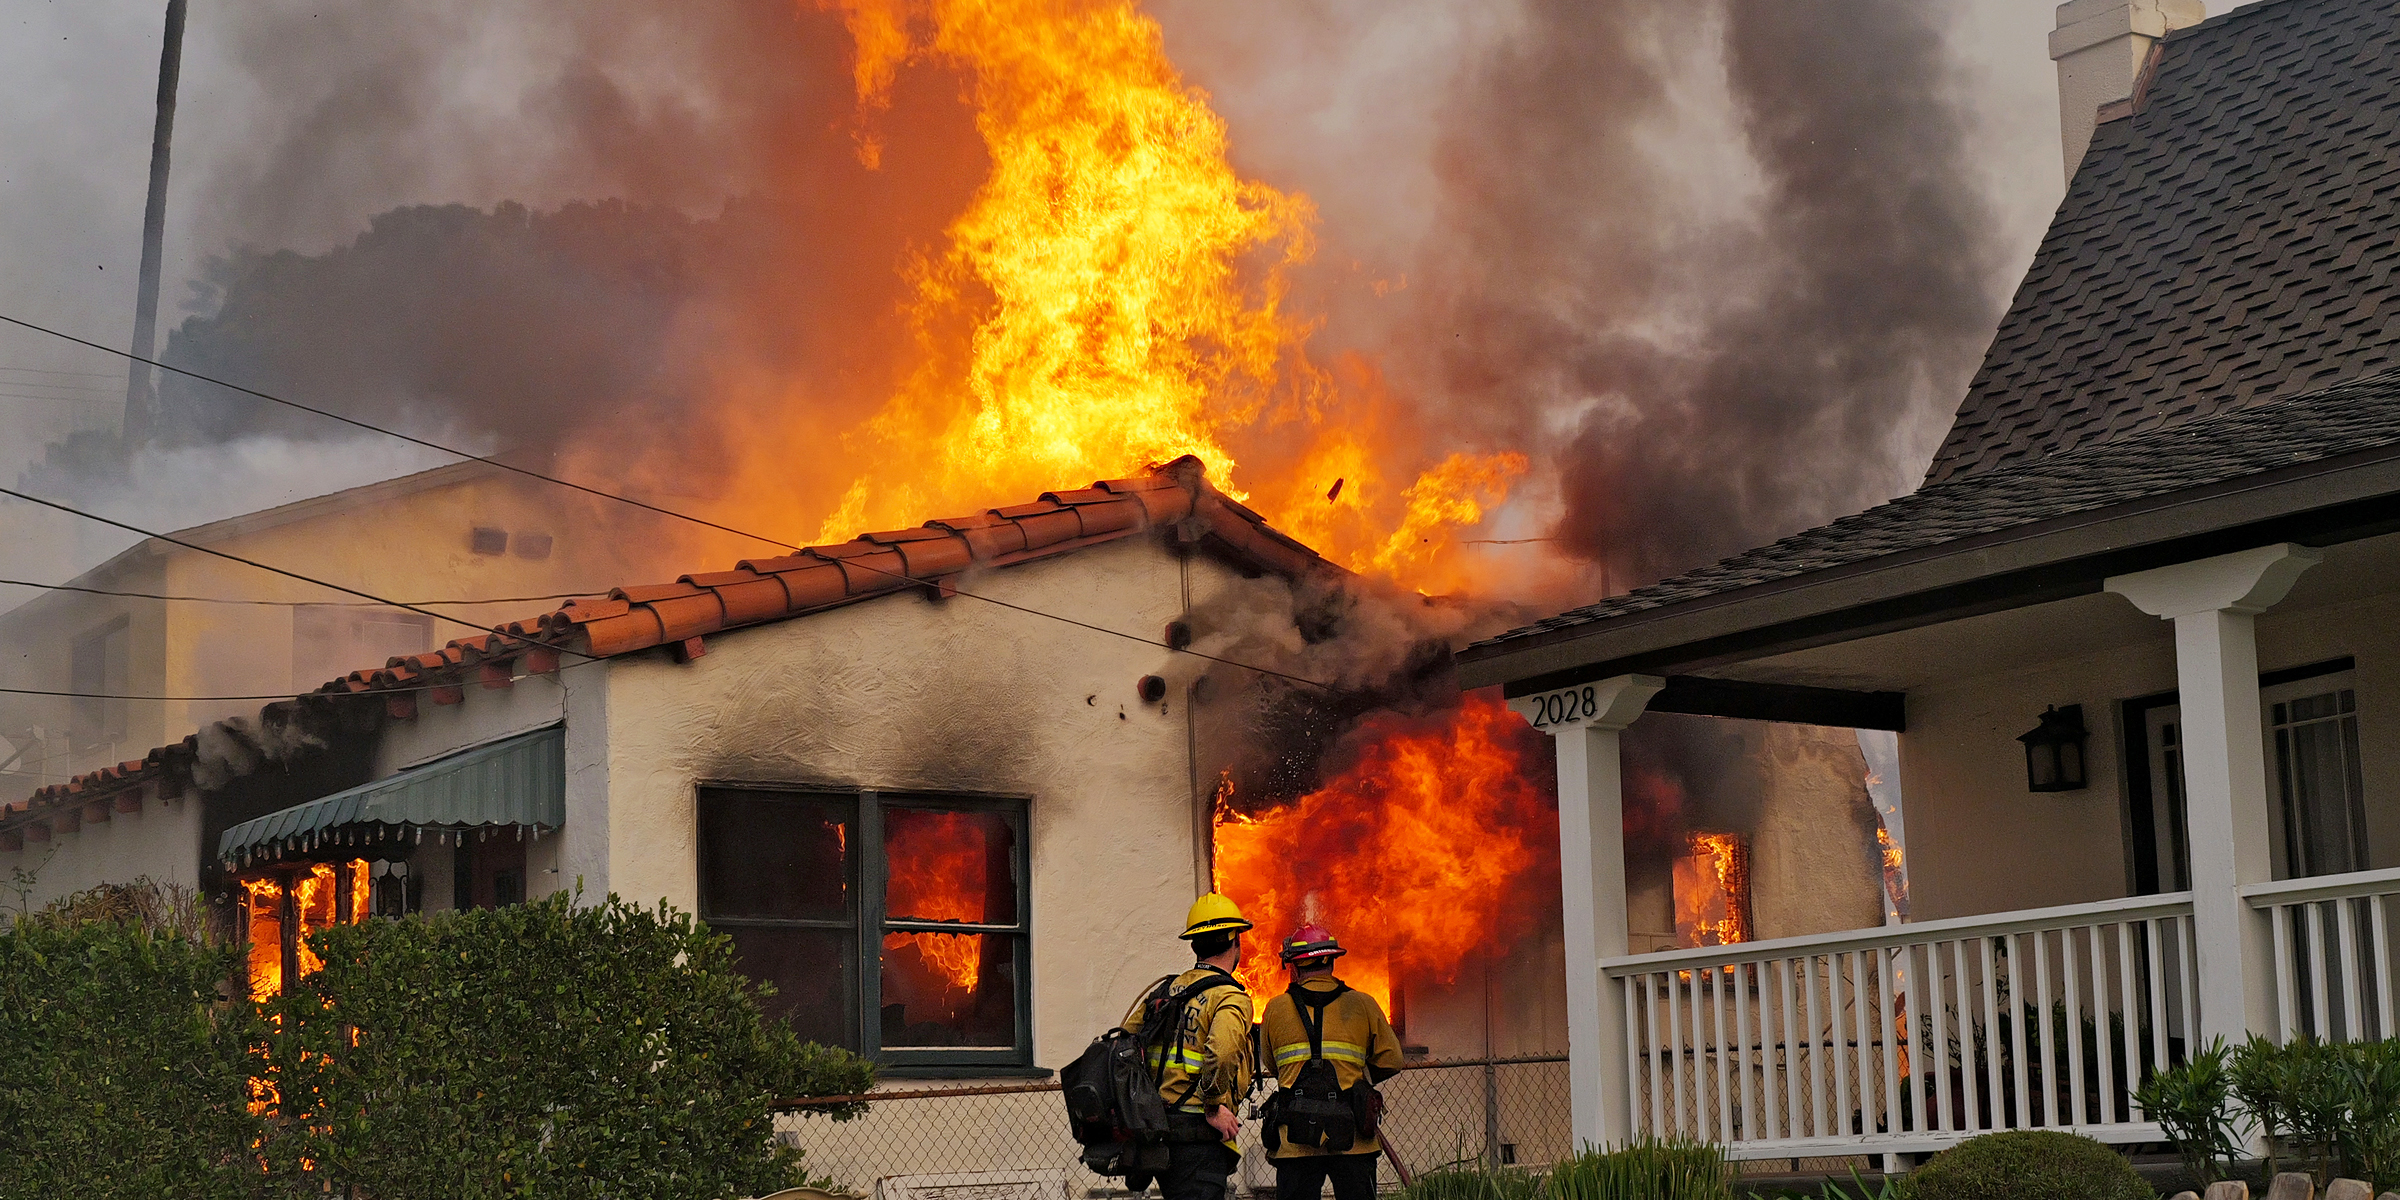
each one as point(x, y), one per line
point(516, 781)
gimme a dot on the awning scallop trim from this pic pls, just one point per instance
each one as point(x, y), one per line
point(516, 781)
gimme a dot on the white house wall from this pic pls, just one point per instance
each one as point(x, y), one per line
point(905, 693)
point(1979, 842)
point(161, 841)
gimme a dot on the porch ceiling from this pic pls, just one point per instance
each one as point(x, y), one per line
point(1990, 643)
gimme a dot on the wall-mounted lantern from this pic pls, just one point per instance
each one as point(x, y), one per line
point(2054, 760)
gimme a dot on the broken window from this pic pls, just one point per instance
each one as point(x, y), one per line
point(951, 942)
point(887, 924)
point(281, 907)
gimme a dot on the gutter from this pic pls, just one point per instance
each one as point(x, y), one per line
point(2319, 503)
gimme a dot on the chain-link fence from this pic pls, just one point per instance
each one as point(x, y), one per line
point(968, 1142)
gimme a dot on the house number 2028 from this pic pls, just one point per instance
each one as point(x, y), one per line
point(1573, 704)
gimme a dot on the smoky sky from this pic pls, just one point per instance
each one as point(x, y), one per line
point(1722, 269)
point(1747, 350)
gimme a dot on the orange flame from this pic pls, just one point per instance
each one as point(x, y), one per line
point(939, 867)
point(1895, 871)
point(313, 891)
point(264, 958)
point(1424, 855)
point(1114, 295)
point(1712, 891)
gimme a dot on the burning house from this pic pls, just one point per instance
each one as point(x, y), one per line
point(870, 763)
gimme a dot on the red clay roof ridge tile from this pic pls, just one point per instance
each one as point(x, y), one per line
point(759, 591)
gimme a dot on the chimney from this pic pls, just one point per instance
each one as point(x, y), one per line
point(2100, 47)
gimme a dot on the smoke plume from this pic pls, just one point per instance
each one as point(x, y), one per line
point(1739, 255)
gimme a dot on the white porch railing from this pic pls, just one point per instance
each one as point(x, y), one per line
point(1911, 1037)
point(2333, 953)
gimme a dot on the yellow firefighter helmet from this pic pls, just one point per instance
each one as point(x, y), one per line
point(1213, 913)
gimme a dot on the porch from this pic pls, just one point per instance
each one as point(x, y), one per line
point(1914, 1037)
point(2225, 868)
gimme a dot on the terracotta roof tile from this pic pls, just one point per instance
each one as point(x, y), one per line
point(756, 591)
point(1049, 528)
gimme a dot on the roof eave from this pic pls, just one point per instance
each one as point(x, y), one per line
point(2319, 503)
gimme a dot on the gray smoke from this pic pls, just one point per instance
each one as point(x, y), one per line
point(1738, 337)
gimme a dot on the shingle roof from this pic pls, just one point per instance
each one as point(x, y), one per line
point(2235, 240)
point(931, 557)
point(2339, 420)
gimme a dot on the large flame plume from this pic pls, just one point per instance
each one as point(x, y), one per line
point(1114, 295)
point(1432, 851)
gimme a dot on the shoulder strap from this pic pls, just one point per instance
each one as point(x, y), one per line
point(1306, 1001)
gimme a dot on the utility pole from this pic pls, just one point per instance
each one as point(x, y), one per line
point(141, 406)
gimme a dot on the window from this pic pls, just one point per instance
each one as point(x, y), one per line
point(2317, 822)
point(100, 667)
point(332, 640)
point(892, 925)
point(2321, 821)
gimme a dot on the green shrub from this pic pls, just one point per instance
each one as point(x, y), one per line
point(122, 1071)
point(1644, 1170)
point(1470, 1183)
point(2025, 1163)
point(2193, 1104)
point(541, 1050)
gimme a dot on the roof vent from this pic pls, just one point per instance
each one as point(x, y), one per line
point(2101, 48)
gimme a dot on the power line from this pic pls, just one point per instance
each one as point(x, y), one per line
point(250, 562)
point(69, 374)
point(592, 491)
point(93, 591)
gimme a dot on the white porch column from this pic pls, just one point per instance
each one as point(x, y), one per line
point(2214, 603)
point(1584, 722)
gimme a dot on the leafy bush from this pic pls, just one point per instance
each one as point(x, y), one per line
point(1470, 1183)
point(1644, 1170)
point(2334, 1105)
point(2193, 1105)
point(123, 1072)
point(544, 1049)
point(2044, 1163)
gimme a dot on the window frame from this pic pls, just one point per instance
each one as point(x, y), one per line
point(868, 921)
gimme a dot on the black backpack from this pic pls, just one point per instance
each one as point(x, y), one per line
point(1113, 1107)
point(1314, 1111)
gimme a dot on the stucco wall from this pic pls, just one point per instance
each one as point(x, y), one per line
point(161, 841)
point(908, 693)
point(1979, 842)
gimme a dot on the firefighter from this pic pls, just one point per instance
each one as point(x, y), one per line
point(1205, 1069)
point(1356, 1039)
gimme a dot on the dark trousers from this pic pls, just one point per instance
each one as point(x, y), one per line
point(1196, 1171)
point(1303, 1177)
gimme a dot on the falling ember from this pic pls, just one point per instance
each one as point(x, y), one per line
point(1426, 854)
point(1712, 891)
point(1113, 296)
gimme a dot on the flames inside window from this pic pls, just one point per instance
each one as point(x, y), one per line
point(282, 907)
point(1712, 890)
point(949, 868)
